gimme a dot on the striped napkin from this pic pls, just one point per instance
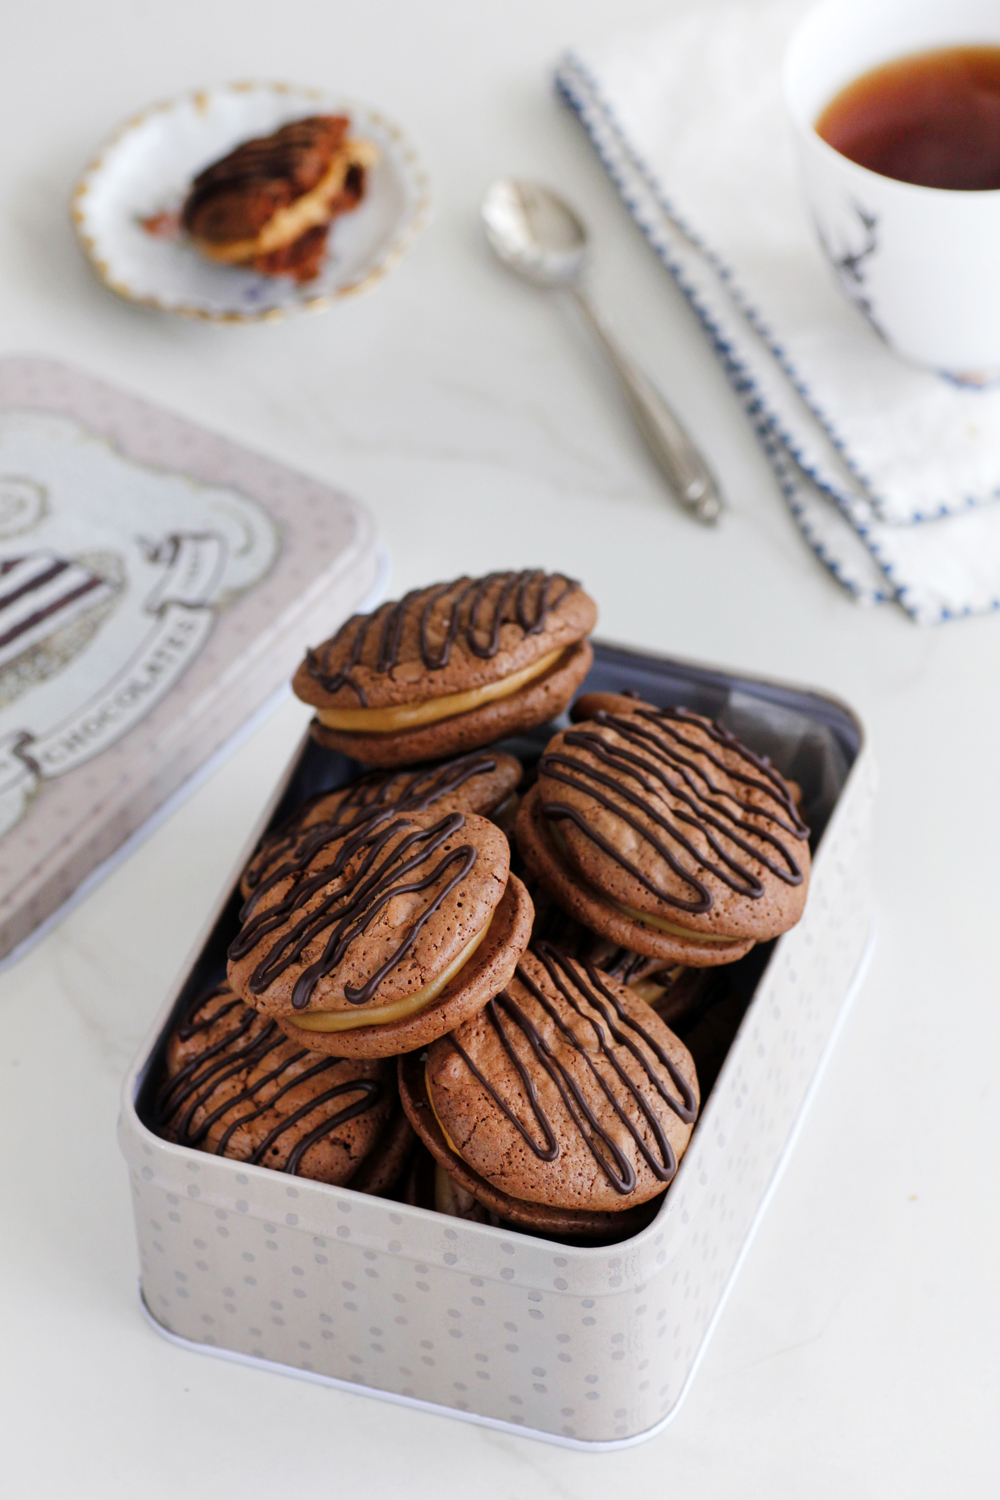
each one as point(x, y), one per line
point(892, 472)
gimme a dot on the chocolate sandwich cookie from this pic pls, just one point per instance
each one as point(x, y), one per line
point(385, 937)
point(671, 989)
point(658, 829)
point(268, 203)
point(482, 782)
point(565, 1105)
point(236, 1086)
point(709, 1033)
point(427, 1185)
point(450, 668)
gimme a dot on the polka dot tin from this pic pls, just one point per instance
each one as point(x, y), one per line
point(587, 1346)
point(158, 584)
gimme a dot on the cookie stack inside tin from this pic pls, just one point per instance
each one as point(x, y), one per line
point(460, 980)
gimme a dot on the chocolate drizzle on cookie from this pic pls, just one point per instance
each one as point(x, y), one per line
point(625, 966)
point(585, 995)
point(475, 608)
point(406, 791)
point(197, 1089)
point(556, 927)
point(387, 857)
point(651, 759)
point(235, 196)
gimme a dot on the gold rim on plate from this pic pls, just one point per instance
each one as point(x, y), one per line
point(389, 259)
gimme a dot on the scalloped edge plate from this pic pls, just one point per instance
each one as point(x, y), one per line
point(147, 165)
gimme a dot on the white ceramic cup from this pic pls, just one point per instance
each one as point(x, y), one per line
point(921, 264)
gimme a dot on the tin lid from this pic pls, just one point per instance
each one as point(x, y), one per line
point(157, 585)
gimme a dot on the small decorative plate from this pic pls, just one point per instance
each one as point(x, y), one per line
point(146, 169)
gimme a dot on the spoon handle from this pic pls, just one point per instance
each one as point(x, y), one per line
point(690, 479)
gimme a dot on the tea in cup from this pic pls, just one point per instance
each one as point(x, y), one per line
point(896, 108)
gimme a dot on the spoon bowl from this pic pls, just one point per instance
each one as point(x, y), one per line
point(535, 232)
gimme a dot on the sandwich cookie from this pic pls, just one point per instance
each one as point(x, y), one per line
point(483, 782)
point(565, 1105)
point(268, 204)
point(658, 829)
point(387, 936)
point(236, 1086)
point(709, 1032)
point(427, 1185)
point(450, 668)
point(671, 989)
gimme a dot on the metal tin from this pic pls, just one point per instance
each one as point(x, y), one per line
point(586, 1346)
point(158, 584)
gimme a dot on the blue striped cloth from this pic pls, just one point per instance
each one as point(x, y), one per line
point(892, 473)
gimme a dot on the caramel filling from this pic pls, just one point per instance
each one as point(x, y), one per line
point(380, 1015)
point(673, 929)
point(650, 989)
point(288, 224)
point(411, 715)
point(646, 990)
point(430, 1099)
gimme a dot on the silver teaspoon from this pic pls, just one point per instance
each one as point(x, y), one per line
point(537, 234)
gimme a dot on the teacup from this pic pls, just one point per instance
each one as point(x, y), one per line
point(921, 264)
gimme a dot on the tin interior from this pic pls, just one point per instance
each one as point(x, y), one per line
point(810, 738)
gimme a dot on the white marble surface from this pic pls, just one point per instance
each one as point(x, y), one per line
point(857, 1353)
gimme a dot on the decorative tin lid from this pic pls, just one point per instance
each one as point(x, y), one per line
point(157, 584)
